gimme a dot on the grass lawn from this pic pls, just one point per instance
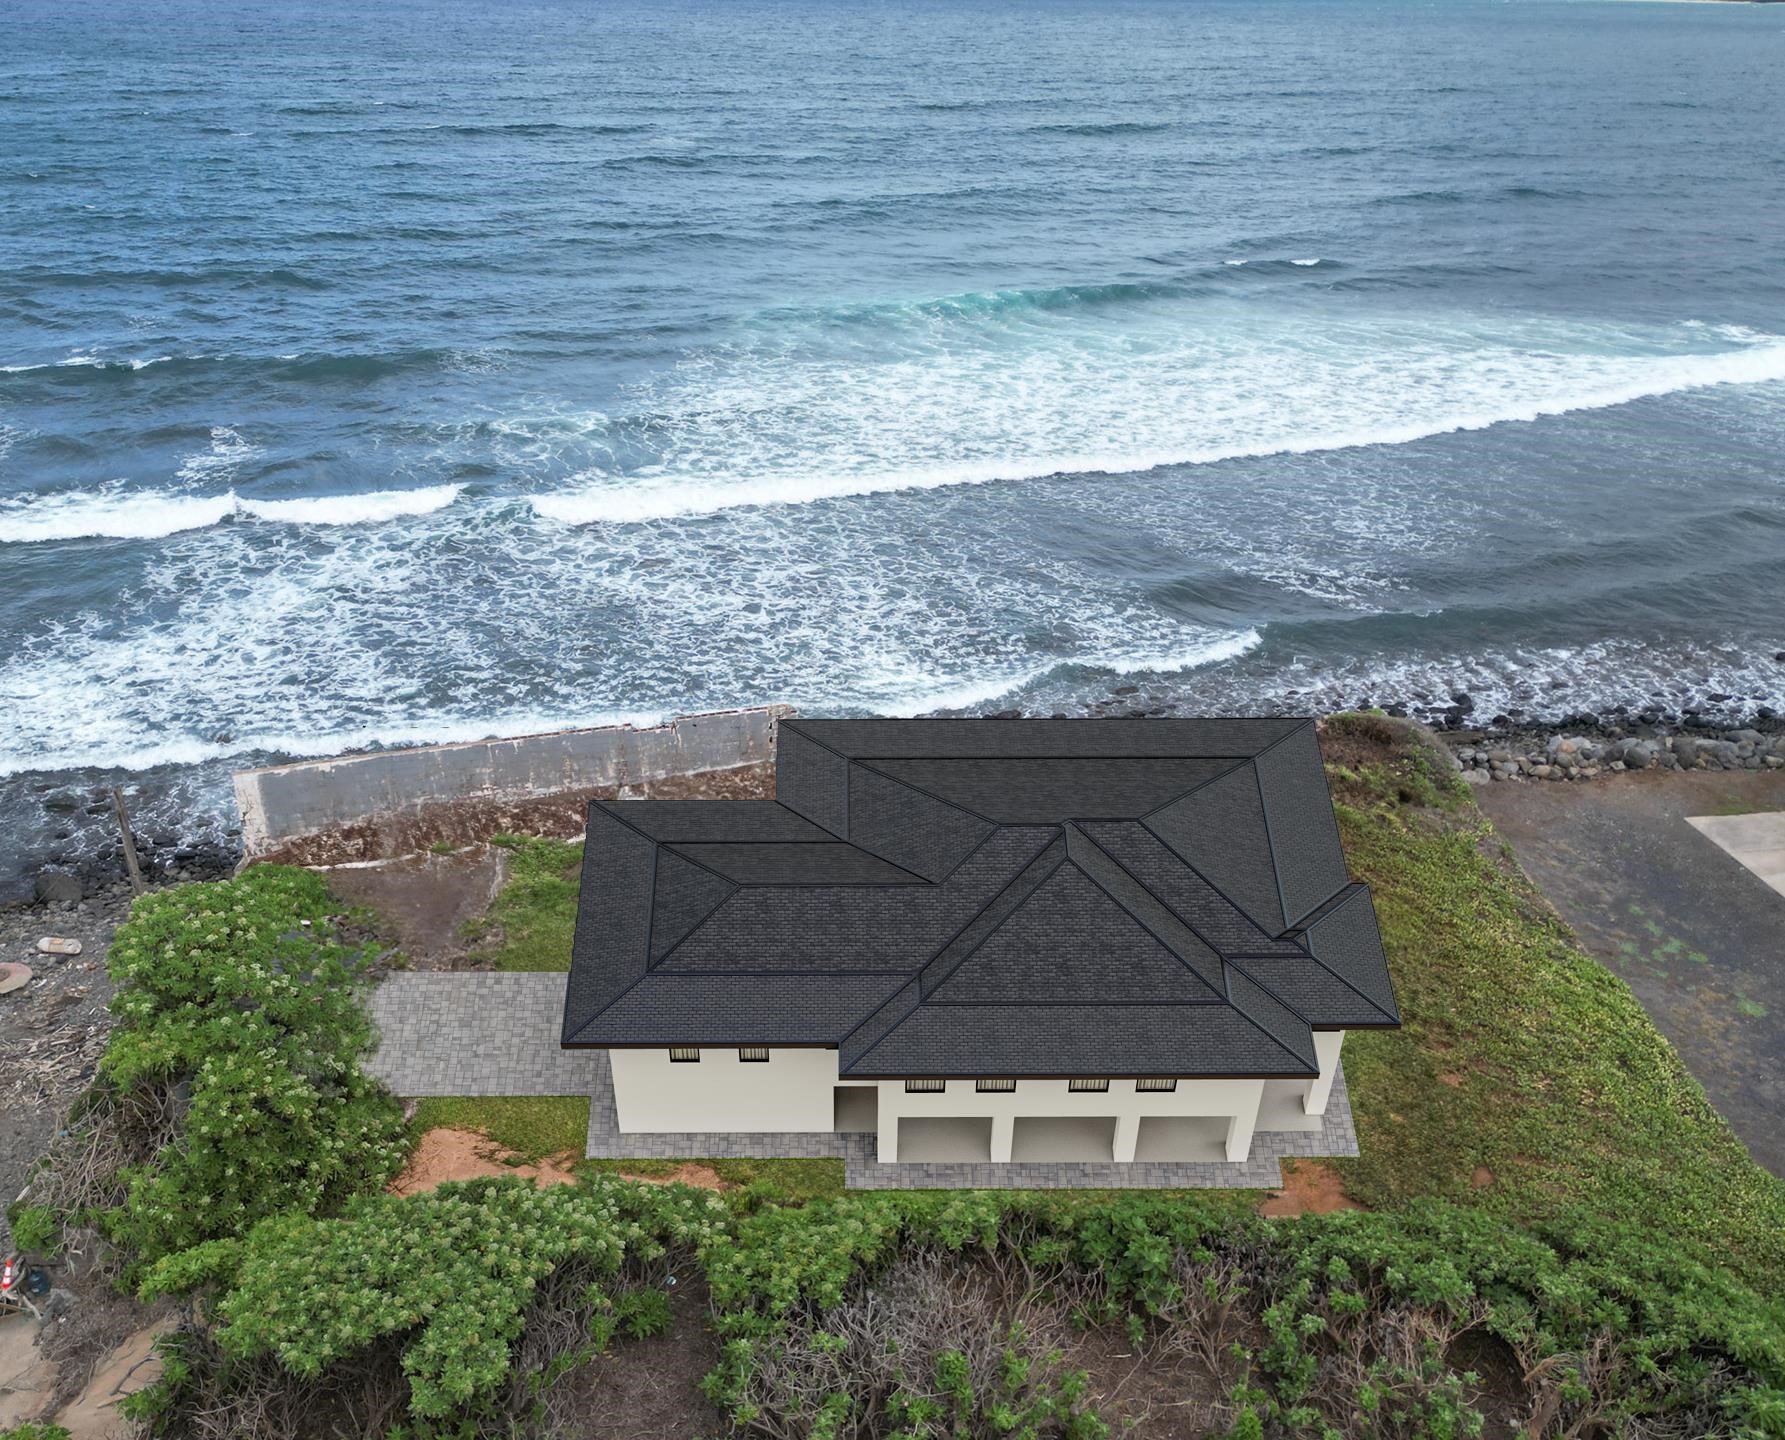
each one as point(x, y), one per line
point(532, 922)
point(1527, 1078)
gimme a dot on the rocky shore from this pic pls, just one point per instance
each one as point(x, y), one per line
point(1564, 756)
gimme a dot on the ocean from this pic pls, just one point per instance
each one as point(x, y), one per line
point(376, 374)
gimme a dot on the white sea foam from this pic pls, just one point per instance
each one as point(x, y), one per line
point(364, 509)
point(1024, 397)
point(114, 511)
point(117, 512)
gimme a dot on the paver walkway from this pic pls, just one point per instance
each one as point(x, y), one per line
point(466, 1033)
point(471, 1033)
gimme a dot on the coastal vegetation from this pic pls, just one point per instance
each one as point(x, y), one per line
point(1561, 1236)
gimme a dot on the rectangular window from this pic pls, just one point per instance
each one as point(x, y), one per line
point(684, 1054)
point(925, 1087)
point(1090, 1086)
point(1159, 1086)
point(754, 1054)
point(994, 1087)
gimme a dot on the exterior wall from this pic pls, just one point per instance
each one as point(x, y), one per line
point(1235, 1100)
point(791, 1091)
point(1326, 1047)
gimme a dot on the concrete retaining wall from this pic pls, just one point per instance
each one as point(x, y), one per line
point(379, 804)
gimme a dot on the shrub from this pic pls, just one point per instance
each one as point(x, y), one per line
point(231, 1089)
point(447, 1280)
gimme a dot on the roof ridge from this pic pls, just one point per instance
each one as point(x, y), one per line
point(1201, 784)
point(925, 990)
point(1247, 1016)
point(873, 769)
point(1224, 897)
point(1241, 963)
point(1190, 865)
point(1146, 889)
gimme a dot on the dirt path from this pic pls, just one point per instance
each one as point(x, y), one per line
point(1699, 938)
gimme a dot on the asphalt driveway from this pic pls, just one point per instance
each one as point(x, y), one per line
point(1698, 937)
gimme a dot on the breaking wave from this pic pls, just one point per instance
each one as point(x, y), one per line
point(116, 512)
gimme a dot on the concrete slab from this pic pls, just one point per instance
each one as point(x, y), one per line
point(1757, 841)
point(1699, 937)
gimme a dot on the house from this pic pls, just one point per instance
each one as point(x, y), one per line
point(984, 940)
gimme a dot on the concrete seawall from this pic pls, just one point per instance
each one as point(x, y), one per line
point(393, 802)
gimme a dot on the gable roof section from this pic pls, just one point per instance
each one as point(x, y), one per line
point(968, 897)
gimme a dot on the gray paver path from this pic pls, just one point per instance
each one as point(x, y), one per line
point(469, 1033)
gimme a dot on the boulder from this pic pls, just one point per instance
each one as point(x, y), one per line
point(55, 886)
point(1638, 755)
point(1685, 750)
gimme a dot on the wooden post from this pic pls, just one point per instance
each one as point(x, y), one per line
point(136, 872)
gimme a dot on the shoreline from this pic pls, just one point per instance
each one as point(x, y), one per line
point(1721, 733)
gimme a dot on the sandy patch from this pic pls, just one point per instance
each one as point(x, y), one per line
point(703, 1177)
point(133, 1366)
point(446, 1155)
point(26, 1378)
point(1309, 1188)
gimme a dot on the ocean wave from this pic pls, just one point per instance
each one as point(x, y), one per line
point(114, 512)
point(753, 431)
point(909, 692)
point(1106, 127)
point(315, 367)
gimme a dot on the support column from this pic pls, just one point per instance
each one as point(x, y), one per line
point(1239, 1136)
point(1127, 1132)
point(887, 1151)
point(1326, 1048)
point(1003, 1134)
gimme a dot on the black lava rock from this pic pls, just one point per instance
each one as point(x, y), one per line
point(57, 885)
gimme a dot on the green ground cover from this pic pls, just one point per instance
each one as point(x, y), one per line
point(1527, 1080)
point(532, 922)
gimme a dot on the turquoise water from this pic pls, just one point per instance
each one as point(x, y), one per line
point(373, 374)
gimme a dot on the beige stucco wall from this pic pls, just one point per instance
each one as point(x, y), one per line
point(792, 1091)
point(1234, 1100)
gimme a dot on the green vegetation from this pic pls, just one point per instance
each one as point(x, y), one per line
point(532, 1126)
point(32, 1430)
point(1527, 1079)
point(533, 920)
point(445, 1278)
point(230, 1090)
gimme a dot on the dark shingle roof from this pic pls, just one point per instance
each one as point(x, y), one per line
point(1002, 897)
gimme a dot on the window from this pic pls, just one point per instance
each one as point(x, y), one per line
point(994, 1087)
point(754, 1054)
point(925, 1087)
point(1161, 1086)
point(684, 1054)
point(1092, 1086)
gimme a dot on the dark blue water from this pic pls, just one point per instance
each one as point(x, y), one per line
point(416, 371)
